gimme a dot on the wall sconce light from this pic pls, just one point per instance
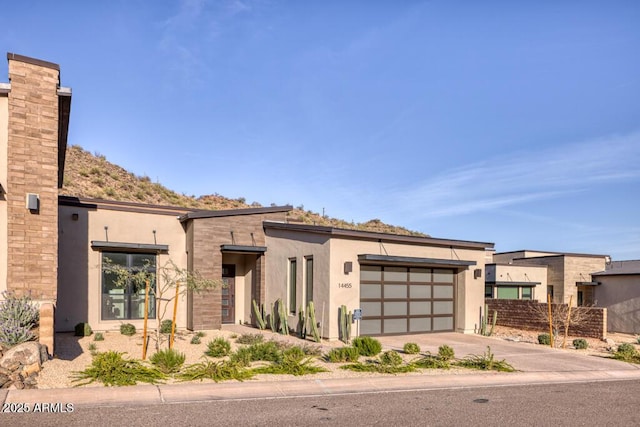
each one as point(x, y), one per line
point(75, 216)
point(348, 267)
point(33, 202)
point(477, 273)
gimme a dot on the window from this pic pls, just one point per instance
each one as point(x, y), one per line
point(126, 301)
point(293, 269)
point(308, 280)
point(488, 291)
point(508, 292)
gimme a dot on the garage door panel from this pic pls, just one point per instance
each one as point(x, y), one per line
point(371, 327)
point(442, 291)
point(395, 291)
point(417, 308)
point(421, 324)
point(420, 291)
point(442, 307)
point(370, 291)
point(395, 308)
point(443, 323)
point(371, 308)
point(395, 326)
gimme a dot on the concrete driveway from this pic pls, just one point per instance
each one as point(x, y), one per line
point(524, 357)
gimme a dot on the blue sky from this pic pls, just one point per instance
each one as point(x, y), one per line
point(510, 122)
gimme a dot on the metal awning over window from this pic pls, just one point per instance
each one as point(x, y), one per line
point(242, 249)
point(531, 284)
point(128, 247)
point(587, 283)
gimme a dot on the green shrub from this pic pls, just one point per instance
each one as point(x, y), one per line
point(343, 354)
point(165, 326)
point(627, 352)
point(83, 329)
point(168, 361)
point(411, 348)
point(219, 347)
point(391, 358)
point(112, 369)
point(367, 346)
point(485, 362)
point(200, 334)
point(376, 366)
point(544, 339)
point(446, 353)
point(92, 348)
point(22, 311)
point(216, 371)
point(580, 343)
point(98, 336)
point(293, 362)
point(268, 351)
point(195, 340)
point(127, 329)
point(250, 339)
point(242, 356)
point(431, 362)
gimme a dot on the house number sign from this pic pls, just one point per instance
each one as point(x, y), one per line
point(344, 285)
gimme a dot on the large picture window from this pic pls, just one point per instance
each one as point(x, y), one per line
point(127, 301)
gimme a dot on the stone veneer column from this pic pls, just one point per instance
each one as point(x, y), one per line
point(33, 168)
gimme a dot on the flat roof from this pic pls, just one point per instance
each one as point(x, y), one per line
point(553, 253)
point(376, 236)
point(506, 264)
point(134, 247)
point(243, 249)
point(507, 283)
point(115, 205)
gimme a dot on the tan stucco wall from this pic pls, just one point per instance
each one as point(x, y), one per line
point(329, 258)
point(80, 266)
point(283, 245)
point(507, 257)
point(621, 296)
point(4, 126)
point(520, 273)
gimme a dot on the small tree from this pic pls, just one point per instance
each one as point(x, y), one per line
point(169, 278)
point(563, 316)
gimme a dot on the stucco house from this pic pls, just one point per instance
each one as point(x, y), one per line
point(619, 290)
point(55, 248)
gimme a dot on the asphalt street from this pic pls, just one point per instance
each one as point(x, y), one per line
point(587, 403)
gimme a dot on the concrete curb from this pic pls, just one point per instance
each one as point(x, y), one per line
point(177, 393)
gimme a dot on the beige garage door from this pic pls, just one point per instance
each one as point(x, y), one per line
point(406, 300)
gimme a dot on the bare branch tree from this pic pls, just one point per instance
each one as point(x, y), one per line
point(562, 318)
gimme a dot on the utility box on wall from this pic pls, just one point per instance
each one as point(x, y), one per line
point(33, 202)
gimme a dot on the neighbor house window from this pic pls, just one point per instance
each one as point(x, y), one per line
point(123, 301)
point(508, 292)
point(293, 270)
point(308, 280)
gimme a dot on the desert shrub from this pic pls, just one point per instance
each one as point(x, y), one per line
point(216, 371)
point(127, 329)
point(165, 326)
point(431, 362)
point(446, 353)
point(367, 346)
point(195, 340)
point(580, 343)
point(391, 358)
point(544, 339)
point(411, 348)
point(268, 351)
point(311, 350)
point(21, 310)
point(242, 356)
point(12, 333)
point(293, 362)
point(343, 354)
point(485, 362)
point(219, 347)
point(250, 339)
point(98, 336)
point(376, 366)
point(112, 369)
point(627, 352)
point(83, 329)
point(168, 361)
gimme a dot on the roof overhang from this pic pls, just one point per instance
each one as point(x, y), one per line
point(413, 261)
point(97, 245)
point(64, 112)
point(241, 249)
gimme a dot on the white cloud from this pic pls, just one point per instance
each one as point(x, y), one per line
point(526, 176)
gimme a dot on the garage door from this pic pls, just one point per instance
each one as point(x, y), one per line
point(404, 300)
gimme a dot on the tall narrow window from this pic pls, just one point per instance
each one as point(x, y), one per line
point(308, 280)
point(293, 269)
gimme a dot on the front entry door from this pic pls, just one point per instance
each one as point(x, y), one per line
point(229, 293)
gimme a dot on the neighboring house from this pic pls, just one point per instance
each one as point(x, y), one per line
point(568, 274)
point(55, 248)
point(512, 281)
point(619, 291)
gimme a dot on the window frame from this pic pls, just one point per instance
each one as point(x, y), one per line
point(308, 279)
point(130, 296)
point(292, 284)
